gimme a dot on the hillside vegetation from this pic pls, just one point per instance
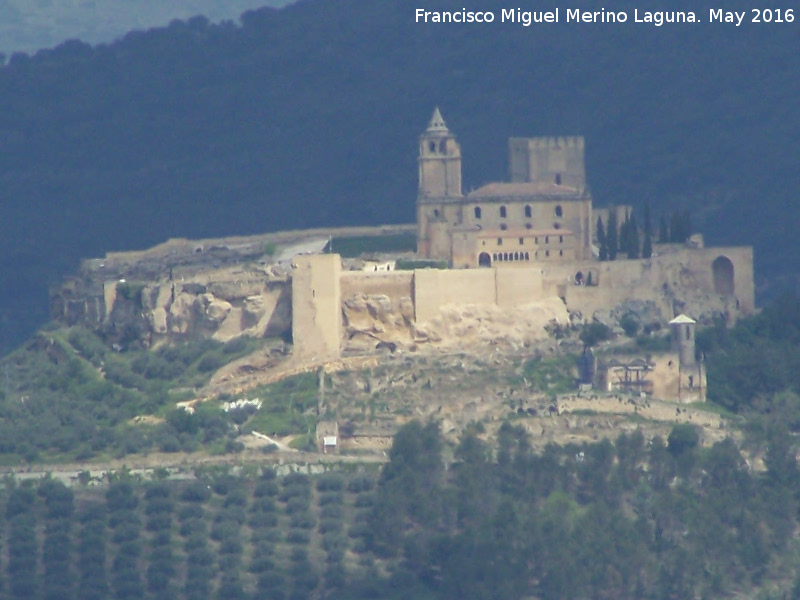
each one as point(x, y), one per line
point(309, 116)
point(68, 396)
point(621, 520)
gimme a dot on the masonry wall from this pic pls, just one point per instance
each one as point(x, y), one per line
point(673, 280)
point(434, 288)
point(396, 285)
point(679, 279)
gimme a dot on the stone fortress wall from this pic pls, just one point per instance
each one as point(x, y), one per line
point(705, 282)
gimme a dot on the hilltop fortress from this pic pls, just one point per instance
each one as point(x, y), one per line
point(520, 254)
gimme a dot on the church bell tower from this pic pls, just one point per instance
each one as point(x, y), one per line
point(439, 161)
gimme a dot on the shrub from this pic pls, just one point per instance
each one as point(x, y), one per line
point(262, 520)
point(330, 525)
point(360, 483)
point(159, 522)
point(630, 325)
point(263, 505)
point(329, 498)
point(297, 504)
point(331, 511)
point(159, 505)
point(594, 333)
point(330, 482)
point(190, 511)
point(683, 437)
point(303, 520)
point(196, 492)
point(193, 526)
point(298, 536)
point(261, 564)
point(295, 478)
point(366, 500)
point(265, 489)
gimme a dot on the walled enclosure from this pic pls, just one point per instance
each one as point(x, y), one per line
point(678, 279)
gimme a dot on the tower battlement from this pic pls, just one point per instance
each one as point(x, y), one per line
point(556, 160)
point(551, 143)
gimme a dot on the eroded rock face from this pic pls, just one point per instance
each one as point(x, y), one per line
point(222, 304)
point(376, 321)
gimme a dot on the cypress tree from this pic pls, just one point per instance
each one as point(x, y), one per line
point(647, 245)
point(601, 239)
point(612, 234)
point(623, 234)
point(632, 235)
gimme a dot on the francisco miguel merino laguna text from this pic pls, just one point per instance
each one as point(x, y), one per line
point(527, 18)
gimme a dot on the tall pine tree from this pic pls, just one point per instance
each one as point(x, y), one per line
point(601, 239)
point(647, 245)
point(632, 235)
point(623, 234)
point(612, 235)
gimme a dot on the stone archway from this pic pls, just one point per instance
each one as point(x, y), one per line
point(484, 260)
point(722, 274)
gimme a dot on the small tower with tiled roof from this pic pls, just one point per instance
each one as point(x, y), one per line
point(691, 373)
point(683, 329)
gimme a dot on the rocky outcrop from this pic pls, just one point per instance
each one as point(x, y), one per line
point(376, 321)
point(221, 304)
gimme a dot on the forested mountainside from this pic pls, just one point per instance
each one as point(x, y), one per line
point(27, 25)
point(309, 116)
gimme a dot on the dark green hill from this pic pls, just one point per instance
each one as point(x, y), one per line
point(309, 115)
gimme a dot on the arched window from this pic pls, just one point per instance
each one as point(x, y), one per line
point(432, 147)
point(528, 226)
point(494, 256)
point(527, 256)
point(436, 212)
point(559, 211)
point(558, 178)
point(443, 146)
point(528, 211)
point(722, 275)
point(503, 226)
point(502, 212)
point(556, 225)
point(484, 260)
point(547, 239)
point(477, 212)
point(521, 241)
point(516, 255)
point(561, 239)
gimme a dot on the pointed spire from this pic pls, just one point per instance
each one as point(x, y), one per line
point(437, 122)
